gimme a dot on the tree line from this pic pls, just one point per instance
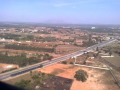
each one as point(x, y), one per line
point(29, 48)
point(22, 60)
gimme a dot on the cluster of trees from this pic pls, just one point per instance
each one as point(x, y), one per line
point(10, 36)
point(45, 39)
point(68, 40)
point(22, 60)
point(81, 75)
point(48, 39)
point(29, 48)
point(28, 38)
point(101, 30)
point(19, 60)
point(17, 37)
point(65, 62)
point(25, 84)
point(46, 57)
point(117, 52)
point(43, 32)
point(89, 43)
point(36, 80)
point(108, 50)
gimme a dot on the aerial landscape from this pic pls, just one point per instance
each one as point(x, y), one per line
point(59, 45)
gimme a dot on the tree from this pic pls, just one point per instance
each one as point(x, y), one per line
point(31, 73)
point(97, 49)
point(41, 65)
point(90, 38)
point(26, 84)
point(47, 57)
point(84, 62)
point(81, 75)
point(71, 62)
point(23, 55)
point(6, 53)
point(64, 62)
point(97, 54)
point(36, 79)
point(110, 53)
point(86, 58)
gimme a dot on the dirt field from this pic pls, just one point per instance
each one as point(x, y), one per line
point(97, 80)
point(65, 49)
point(4, 67)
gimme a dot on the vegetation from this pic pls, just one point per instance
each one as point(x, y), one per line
point(10, 36)
point(44, 32)
point(36, 80)
point(64, 62)
point(86, 58)
point(112, 48)
point(41, 66)
point(42, 81)
point(29, 48)
point(8, 70)
point(26, 84)
point(22, 60)
point(97, 49)
point(89, 43)
point(110, 53)
point(68, 40)
point(31, 72)
point(19, 60)
point(47, 57)
point(28, 38)
point(48, 39)
point(71, 63)
point(81, 75)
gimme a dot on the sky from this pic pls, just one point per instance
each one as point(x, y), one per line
point(61, 11)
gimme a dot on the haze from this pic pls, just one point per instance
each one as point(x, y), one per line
point(61, 11)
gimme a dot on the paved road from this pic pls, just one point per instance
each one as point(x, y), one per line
point(53, 61)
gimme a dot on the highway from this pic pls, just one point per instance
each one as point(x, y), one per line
point(53, 61)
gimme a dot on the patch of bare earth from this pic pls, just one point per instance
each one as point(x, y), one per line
point(4, 67)
point(97, 80)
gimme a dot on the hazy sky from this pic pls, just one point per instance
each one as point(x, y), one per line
point(61, 11)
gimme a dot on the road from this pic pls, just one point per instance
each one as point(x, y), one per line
point(53, 61)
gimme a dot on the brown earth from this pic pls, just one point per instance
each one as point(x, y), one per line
point(96, 81)
point(4, 67)
point(65, 49)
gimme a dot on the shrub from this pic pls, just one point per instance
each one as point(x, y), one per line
point(71, 62)
point(41, 65)
point(81, 75)
point(64, 62)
